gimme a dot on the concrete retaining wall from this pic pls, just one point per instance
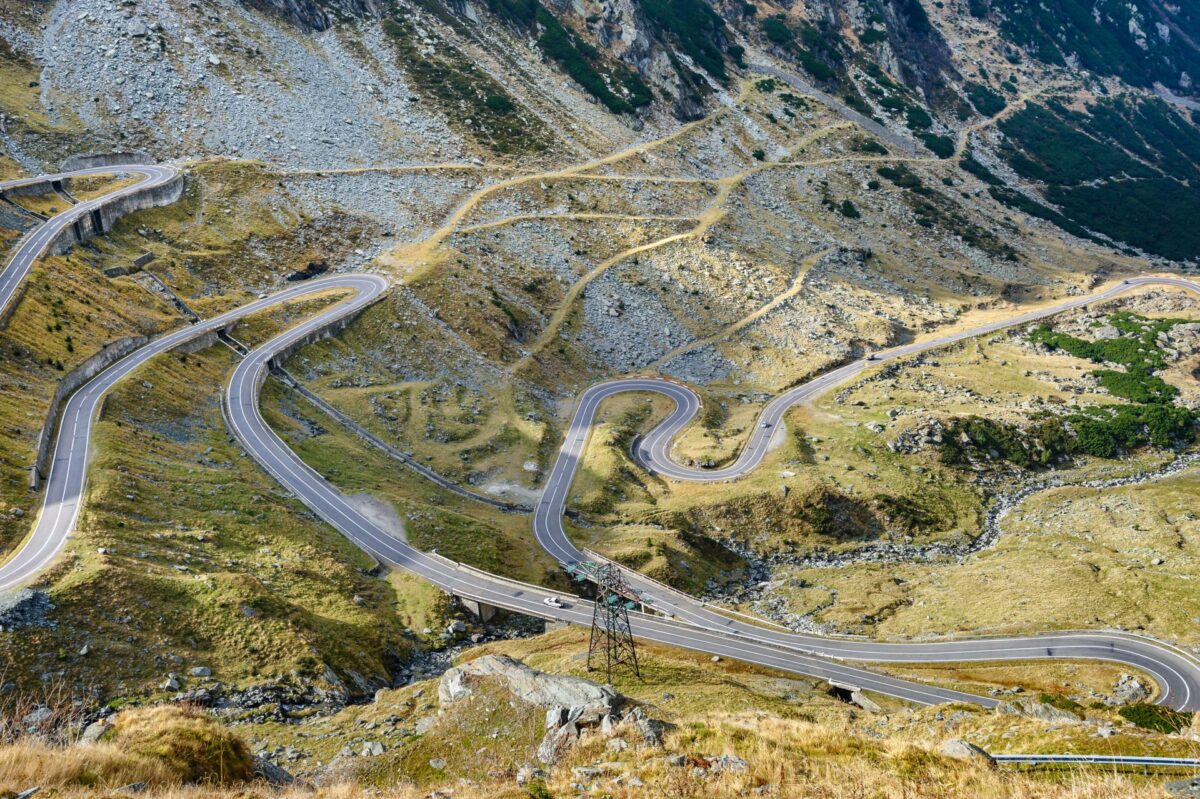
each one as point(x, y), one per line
point(18, 295)
point(66, 387)
point(31, 189)
point(111, 211)
point(328, 331)
point(93, 160)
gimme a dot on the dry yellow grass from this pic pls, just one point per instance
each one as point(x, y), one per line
point(163, 746)
point(784, 758)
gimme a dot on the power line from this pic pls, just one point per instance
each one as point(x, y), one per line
point(610, 644)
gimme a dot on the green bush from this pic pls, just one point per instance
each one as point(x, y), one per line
point(986, 101)
point(941, 146)
point(1157, 718)
point(777, 30)
point(870, 146)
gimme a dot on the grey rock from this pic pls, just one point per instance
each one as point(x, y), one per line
point(1186, 789)
point(530, 685)
point(1129, 690)
point(37, 717)
point(26, 608)
point(94, 731)
point(959, 749)
point(727, 764)
point(375, 748)
point(1045, 712)
point(201, 671)
point(437, 763)
point(275, 775)
point(527, 774)
point(555, 742)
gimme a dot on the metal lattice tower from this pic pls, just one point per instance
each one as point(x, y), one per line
point(611, 642)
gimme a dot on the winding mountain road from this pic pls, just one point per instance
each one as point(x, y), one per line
point(691, 625)
point(31, 248)
point(1176, 672)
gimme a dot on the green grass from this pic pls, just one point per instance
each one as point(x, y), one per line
point(433, 517)
point(207, 560)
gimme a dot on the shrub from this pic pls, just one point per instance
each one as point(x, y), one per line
point(190, 742)
point(986, 101)
point(941, 146)
point(849, 210)
point(870, 146)
point(1156, 717)
point(499, 103)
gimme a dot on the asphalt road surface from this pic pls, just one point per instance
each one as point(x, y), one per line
point(34, 244)
point(690, 625)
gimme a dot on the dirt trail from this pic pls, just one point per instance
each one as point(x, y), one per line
point(795, 288)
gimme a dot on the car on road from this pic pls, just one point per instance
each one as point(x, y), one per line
point(552, 601)
point(872, 357)
point(765, 425)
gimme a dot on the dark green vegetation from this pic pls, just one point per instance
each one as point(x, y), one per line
point(1020, 202)
point(1109, 37)
point(1157, 718)
point(986, 101)
point(578, 58)
point(1136, 349)
point(1127, 168)
point(695, 27)
point(448, 79)
point(941, 146)
point(897, 100)
point(933, 209)
point(1105, 431)
point(974, 438)
point(813, 50)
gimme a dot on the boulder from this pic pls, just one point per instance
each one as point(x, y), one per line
point(555, 742)
point(537, 688)
point(1045, 712)
point(1129, 690)
point(269, 772)
point(959, 749)
point(95, 731)
point(727, 764)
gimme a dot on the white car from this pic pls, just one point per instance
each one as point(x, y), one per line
point(765, 425)
point(552, 601)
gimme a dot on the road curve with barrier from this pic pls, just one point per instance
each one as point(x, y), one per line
point(35, 244)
